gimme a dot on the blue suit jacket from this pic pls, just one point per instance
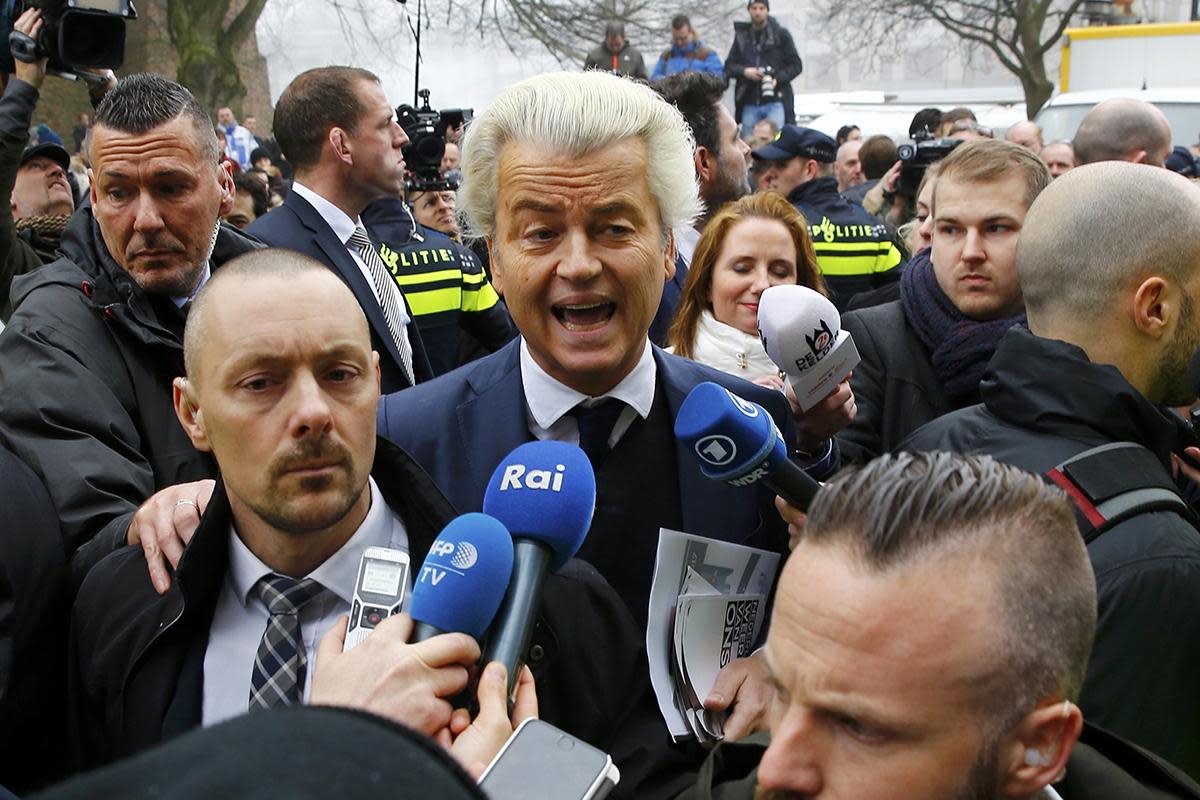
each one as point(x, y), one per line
point(461, 425)
point(296, 225)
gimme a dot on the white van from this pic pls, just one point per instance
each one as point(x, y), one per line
point(1060, 117)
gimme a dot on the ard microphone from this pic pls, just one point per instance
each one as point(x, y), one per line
point(461, 583)
point(738, 442)
point(545, 493)
point(802, 333)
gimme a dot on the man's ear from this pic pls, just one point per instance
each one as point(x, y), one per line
point(187, 409)
point(704, 159)
point(15, 204)
point(341, 144)
point(669, 257)
point(494, 265)
point(1036, 752)
point(228, 190)
point(1155, 305)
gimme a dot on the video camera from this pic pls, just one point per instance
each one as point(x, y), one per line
point(76, 34)
point(917, 156)
point(426, 131)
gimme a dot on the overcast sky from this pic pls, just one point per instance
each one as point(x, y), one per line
point(295, 35)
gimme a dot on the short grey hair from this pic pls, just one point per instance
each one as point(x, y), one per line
point(144, 100)
point(906, 509)
point(578, 113)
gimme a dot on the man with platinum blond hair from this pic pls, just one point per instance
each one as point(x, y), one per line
point(576, 182)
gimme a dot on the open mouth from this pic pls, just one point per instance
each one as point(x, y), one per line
point(584, 316)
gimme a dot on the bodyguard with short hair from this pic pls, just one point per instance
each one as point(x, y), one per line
point(86, 362)
point(1110, 295)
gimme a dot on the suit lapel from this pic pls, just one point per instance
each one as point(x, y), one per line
point(710, 508)
point(493, 421)
point(339, 257)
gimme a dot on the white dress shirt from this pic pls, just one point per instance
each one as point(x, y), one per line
point(686, 239)
point(547, 401)
point(241, 617)
point(180, 302)
point(343, 227)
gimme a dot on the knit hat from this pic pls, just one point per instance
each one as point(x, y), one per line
point(766, 3)
point(45, 134)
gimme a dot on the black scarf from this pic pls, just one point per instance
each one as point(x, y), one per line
point(960, 347)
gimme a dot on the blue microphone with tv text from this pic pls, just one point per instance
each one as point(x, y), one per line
point(460, 585)
point(545, 494)
point(737, 442)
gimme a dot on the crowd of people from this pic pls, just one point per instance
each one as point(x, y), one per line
point(233, 362)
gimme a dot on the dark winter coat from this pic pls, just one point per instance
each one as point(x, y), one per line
point(1044, 402)
point(86, 366)
point(777, 51)
point(895, 385)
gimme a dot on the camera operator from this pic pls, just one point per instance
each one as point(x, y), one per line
point(764, 62)
point(33, 180)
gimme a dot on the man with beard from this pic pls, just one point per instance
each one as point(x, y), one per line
point(87, 360)
point(721, 170)
point(281, 387)
point(930, 634)
point(1110, 295)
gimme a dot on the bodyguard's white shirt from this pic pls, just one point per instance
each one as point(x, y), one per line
point(343, 227)
point(241, 617)
point(547, 401)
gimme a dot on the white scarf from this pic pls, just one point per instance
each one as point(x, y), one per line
point(728, 349)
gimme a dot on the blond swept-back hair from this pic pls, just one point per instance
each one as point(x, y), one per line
point(575, 114)
point(697, 291)
point(987, 160)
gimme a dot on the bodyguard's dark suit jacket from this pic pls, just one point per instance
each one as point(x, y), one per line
point(461, 425)
point(296, 225)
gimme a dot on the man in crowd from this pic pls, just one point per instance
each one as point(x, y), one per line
point(616, 55)
point(924, 354)
point(33, 180)
point(87, 360)
point(340, 134)
point(1109, 292)
point(449, 159)
point(876, 156)
point(930, 635)
point(454, 306)
point(763, 62)
point(1059, 157)
point(1026, 133)
point(581, 247)
point(239, 142)
point(1123, 129)
point(282, 388)
point(686, 53)
point(854, 249)
point(721, 169)
point(847, 168)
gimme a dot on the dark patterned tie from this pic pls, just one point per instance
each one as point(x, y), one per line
point(596, 424)
point(383, 283)
point(279, 665)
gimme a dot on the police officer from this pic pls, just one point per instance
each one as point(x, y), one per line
point(445, 285)
point(854, 249)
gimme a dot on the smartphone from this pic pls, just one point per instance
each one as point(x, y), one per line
point(378, 591)
point(540, 762)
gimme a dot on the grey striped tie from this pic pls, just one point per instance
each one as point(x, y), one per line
point(382, 283)
point(279, 664)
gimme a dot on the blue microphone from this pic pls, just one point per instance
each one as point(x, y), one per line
point(737, 442)
point(545, 493)
point(462, 581)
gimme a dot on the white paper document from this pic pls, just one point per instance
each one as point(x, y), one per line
point(707, 607)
